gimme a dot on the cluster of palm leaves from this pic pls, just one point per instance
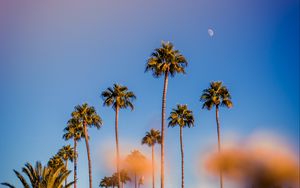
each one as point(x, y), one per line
point(164, 61)
point(112, 181)
point(51, 176)
point(42, 176)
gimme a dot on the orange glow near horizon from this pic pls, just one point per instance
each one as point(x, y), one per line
point(262, 161)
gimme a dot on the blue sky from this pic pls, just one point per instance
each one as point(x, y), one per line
point(55, 55)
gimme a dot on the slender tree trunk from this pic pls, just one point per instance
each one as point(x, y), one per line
point(135, 181)
point(66, 180)
point(153, 176)
point(182, 159)
point(117, 146)
point(75, 163)
point(219, 142)
point(163, 111)
point(88, 152)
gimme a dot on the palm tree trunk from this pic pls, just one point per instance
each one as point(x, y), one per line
point(75, 162)
point(163, 111)
point(117, 145)
point(88, 153)
point(135, 181)
point(182, 159)
point(153, 177)
point(219, 142)
point(66, 180)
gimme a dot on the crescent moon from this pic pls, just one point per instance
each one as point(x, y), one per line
point(210, 32)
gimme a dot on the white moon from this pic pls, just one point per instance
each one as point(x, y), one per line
point(210, 32)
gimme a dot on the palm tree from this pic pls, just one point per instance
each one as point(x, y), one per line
point(165, 61)
point(124, 177)
point(114, 180)
point(216, 95)
point(183, 117)
point(87, 116)
point(74, 130)
point(66, 153)
point(151, 138)
point(119, 98)
point(105, 182)
point(56, 162)
point(42, 177)
point(136, 162)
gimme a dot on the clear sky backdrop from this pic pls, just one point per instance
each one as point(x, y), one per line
point(57, 54)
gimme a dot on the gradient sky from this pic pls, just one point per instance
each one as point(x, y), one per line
point(57, 54)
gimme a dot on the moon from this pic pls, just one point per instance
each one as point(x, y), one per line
point(210, 32)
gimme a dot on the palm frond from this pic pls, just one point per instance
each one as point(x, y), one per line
point(22, 179)
point(8, 185)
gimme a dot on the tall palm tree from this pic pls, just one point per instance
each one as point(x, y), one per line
point(74, 130)
point(67, 154)
point(42, 177)
point(183, 117)
point(151, 138)
point(119, 98)
point(216, 95)
point(165, 61)
point(87, 115)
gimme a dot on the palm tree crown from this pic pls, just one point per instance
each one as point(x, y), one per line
point(105, 182)
point(166, 60)
point(56, 162)
point(181, 116)
point(66, 153)
point(152, 137)
point(118, 97)
point(73, 130)
point(136, 161)
point(87, 114)
point(216, 95)
point(124, 176)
